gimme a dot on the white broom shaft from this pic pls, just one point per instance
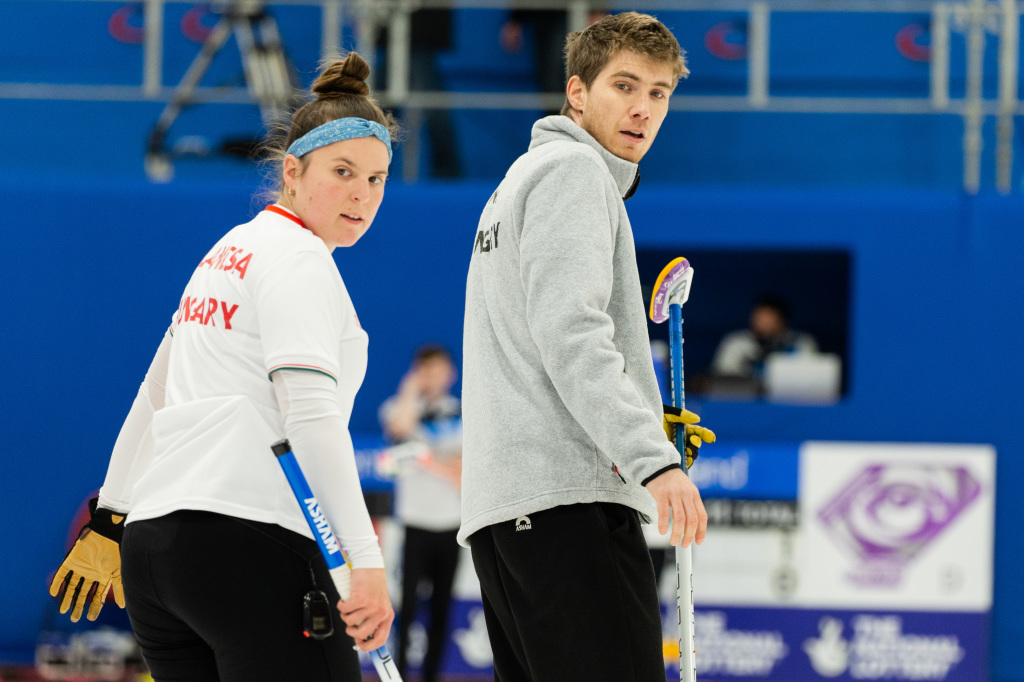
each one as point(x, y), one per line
point(684, 556)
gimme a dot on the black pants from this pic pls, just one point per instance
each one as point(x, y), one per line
point(431, 556)
point(212, 597)
point(569, 594)
point(659, 557)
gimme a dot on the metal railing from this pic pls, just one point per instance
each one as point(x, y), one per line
point(975, 18)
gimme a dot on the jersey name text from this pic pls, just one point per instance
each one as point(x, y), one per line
point(487, 239)
point(229, 259)
point(206, 311)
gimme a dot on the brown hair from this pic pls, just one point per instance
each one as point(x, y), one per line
point(431, 351)
point(588, 51)
point(341, 92)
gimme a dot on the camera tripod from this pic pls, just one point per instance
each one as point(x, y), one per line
point(269, 78)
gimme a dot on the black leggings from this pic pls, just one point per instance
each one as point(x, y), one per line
point(432, 556)
point(213, 597)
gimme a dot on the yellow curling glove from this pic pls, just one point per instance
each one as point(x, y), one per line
point(92, 567)
point(695, 435)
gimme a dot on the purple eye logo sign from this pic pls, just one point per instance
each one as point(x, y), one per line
point(888, 513)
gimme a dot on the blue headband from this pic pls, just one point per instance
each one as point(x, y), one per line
point(338, 130)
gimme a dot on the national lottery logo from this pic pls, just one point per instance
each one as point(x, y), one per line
point(877, 648)
point(888, 513)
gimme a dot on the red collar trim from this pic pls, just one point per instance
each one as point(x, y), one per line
point(287, 214)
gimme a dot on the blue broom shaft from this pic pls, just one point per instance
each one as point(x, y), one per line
point(380, 657)
point(675, 342)
point(332, 554)
point(684, 560)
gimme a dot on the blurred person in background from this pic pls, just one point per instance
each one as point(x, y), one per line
point(742, 354)
point(549, 29)
point(427, 495)
point(430, 34)
point(195, 515)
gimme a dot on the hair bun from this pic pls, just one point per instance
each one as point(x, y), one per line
point(344, 77)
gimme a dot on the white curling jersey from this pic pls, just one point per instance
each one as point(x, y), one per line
point(267, 296)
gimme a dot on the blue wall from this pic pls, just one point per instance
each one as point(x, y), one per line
point(92, 271)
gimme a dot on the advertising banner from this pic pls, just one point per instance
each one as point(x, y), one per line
point(826, 561)
point(794, 645)
point(880, 570)
point(765, 471)
point(897, 526)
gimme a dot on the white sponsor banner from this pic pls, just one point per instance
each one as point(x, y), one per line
point(896, 526)
point(740, 567)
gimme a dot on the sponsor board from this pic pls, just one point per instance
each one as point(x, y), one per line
point(368, 449)
point(741, 566)
point(467, 649)
point(764, 471)
point(881, 569)
point(801, 645)
point(745, 471)
point(897, 526)
point(781, 514)
point(780, 645)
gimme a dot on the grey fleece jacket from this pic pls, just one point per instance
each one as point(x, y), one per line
point(560, 402)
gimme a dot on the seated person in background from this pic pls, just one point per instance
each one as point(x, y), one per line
point(742, 353)
point(427, 495)
point(550, 27)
